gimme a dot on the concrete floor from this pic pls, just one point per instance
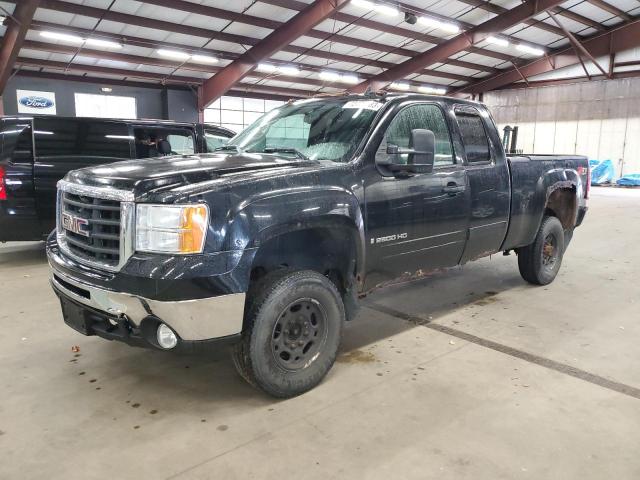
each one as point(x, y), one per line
point(469, 374)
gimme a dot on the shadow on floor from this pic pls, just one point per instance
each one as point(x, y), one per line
point(212, 376)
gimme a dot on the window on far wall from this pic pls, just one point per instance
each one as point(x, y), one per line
point(237, 113)
point(105, 106)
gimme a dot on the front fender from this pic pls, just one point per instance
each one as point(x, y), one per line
point(268, 215)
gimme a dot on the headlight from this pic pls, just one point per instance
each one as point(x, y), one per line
point(171, 228)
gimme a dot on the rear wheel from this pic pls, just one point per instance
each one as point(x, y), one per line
point(292, 332)
point(540, 262)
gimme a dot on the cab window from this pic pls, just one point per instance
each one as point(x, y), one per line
point(428, 117)
point(474, 136)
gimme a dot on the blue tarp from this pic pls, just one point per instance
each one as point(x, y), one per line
point(631, 179)
point(602, 172)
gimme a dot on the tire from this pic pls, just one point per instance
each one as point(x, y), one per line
point(292, 331)
point(568, 235)
point(540, 262)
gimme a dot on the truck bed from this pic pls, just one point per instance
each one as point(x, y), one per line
point(533, 180)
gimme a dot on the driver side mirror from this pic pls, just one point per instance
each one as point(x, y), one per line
point(421, 154)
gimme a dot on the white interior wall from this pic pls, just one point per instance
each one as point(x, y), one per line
point(599, 119)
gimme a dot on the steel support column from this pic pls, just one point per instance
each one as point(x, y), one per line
point(301, 23)
point(18, 25)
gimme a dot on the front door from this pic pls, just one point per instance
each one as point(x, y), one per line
point(416, 222)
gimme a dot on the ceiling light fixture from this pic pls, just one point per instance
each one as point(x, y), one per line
point(282, 69)
point(538, 52)
point(400, 85)
point(387, 10)
point(97, 42)
point(503, 42)
point(363, 4)
point(266, 67)
point(349, 78)
point(382, 8)
point(106, 89)
point(204, 58)
point(329, 76)
point(175, 54)
point(289, 70)
point(64, 37)
point(435, 23)
point(432, 90)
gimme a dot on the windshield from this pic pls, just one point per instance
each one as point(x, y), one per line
point(318, 129)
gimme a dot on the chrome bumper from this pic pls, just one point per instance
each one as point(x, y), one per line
point(192, 320)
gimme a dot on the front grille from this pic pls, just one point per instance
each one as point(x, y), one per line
point(102, 244)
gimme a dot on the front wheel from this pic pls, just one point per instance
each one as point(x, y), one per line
point(540, 262)
point(293, 328)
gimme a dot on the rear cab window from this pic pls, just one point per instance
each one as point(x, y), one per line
point(474, 135)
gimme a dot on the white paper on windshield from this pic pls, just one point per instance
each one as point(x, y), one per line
point(363, 105)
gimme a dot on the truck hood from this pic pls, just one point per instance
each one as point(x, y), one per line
point(167, 172)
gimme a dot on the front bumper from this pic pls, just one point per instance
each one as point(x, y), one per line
point(192, 320)
point(89, 321)
point(129, 308)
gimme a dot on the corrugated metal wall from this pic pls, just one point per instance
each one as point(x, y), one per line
point(600, 119)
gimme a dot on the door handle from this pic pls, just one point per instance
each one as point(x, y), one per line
point(452, 188)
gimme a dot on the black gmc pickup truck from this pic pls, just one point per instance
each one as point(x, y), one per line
point(269, 243)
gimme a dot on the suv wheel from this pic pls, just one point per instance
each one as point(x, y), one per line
point(293, 328)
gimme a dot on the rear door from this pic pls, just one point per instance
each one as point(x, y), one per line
point(416, 222)
point(489, 181)
point(64, 144)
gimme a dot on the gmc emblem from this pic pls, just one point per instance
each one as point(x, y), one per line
point(75, 224)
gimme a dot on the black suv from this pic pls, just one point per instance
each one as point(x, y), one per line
point(37, 151)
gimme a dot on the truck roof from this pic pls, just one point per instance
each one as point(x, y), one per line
point(137, 121)
point(394, 97)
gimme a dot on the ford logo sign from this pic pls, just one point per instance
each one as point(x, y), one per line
point(36, 102)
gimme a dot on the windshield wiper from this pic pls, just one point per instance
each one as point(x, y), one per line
point(227, 147)
point(291, 150)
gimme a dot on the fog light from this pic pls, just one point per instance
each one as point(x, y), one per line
point(166, 338)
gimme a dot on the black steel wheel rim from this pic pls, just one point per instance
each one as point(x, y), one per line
point(299, 334)
point(550, 251)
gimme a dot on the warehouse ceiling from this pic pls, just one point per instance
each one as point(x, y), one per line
point(291, 48)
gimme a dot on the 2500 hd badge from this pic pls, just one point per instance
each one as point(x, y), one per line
point(390, 238)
